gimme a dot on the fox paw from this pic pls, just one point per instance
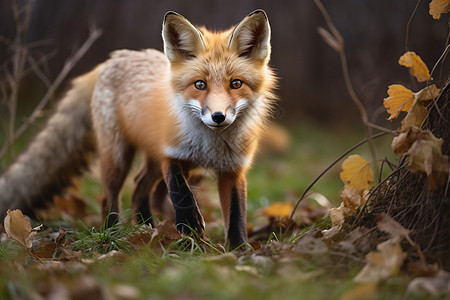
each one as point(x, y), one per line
point(189, 222)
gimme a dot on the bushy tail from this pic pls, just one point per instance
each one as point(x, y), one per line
point(59, 152)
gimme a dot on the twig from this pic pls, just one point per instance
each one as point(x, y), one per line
point(339, 42)
point(409, 24)
point(68, 65)
point(330, 166)
point(443, 55)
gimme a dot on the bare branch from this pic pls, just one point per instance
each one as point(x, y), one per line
point(341, 50)
point(68, 66)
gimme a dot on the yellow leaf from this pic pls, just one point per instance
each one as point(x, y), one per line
point(419, 110)
point(357, 173)
point(400, 99)
point(383, 263)
point(417, 67)
point(438, 7)
point(19, 228)
point(278, 210)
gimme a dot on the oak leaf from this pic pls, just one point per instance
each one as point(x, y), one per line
point(357, 173)
point(438, 7)
point(19, 228)
point(400, 99)
point(416, 66)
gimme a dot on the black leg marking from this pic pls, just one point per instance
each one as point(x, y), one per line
point(237, 231)
point(187, 213)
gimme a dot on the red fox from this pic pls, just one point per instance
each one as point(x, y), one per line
point(203, 103)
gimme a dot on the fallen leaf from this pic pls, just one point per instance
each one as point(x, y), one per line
point(419, 111)
point(400, 99)
point(393, 228)
point(361, 291)
point(416, 66)
point(438, 7)
point(383, 263)
point(352, 198)
point(19, 228)
point(436, 286)
point(337, 215)
point(278, 210)
point(357, 173)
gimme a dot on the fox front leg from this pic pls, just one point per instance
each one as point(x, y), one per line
point(187, 213)
point(233, 199)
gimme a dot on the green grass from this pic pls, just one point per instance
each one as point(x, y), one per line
point(188, 269)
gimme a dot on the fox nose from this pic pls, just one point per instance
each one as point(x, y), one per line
point(218, 117)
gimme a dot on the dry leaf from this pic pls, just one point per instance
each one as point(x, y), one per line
point(357, 173)
point(19, 228)
point(337, 215)
point(425, 156)
point(438, 7)
point(393, 228)
point(402, 142)
point(436, 286)
point(383, 263)
point(416, 66)
point(400, 99)
point(419, 110)
point(364, 291)
point(352, 198)
point(278, 210)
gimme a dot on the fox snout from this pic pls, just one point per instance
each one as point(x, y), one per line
point(218, 118)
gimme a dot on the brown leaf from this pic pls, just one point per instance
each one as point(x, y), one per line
point(419, 111)
point(393, 228)
point(416, 66)
point(402, 142)
point(436, 286)
point(439, 7)
point(425, 156)
point(383, 263)
point(19, 228)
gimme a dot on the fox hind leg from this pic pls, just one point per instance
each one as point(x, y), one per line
point(115, 165)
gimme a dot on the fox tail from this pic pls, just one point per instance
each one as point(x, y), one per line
point(61, 151)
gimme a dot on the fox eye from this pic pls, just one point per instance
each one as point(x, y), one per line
point(200, 85)
point(235, 84)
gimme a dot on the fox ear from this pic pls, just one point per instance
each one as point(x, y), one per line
point(251, 37)
point(181, 39)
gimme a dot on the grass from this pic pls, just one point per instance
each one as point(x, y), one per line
point(188, 269)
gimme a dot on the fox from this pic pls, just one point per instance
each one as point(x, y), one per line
point(203, 102)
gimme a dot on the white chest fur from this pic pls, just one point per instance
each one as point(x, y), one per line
point(221, 150)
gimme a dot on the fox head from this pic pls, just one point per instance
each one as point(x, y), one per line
point(220, 75)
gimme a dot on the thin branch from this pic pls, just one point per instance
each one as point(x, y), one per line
point(443, 55)
point(341, 50)
point(68, 66)
point(330, 166)
point(409, 24)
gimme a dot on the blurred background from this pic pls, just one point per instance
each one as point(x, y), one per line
point(311, 86)
point(320, 120)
